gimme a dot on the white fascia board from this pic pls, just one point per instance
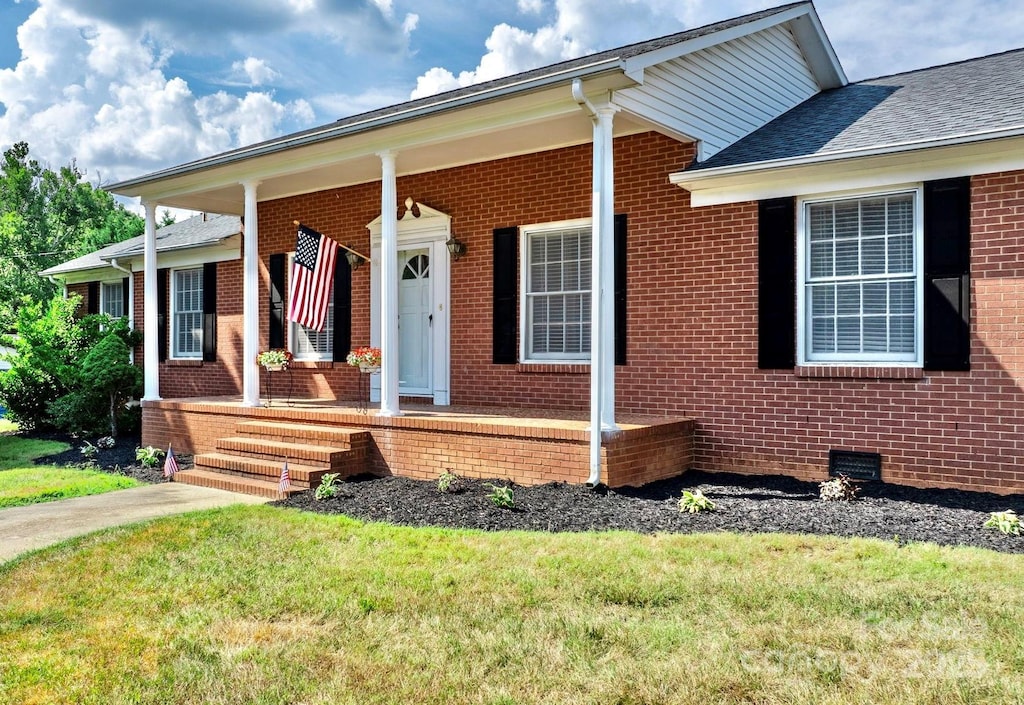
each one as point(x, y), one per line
point(135, 187)
point(818, 50)
point(93, 274)
point(635, 65)
point(857, 172)
point(187, 257)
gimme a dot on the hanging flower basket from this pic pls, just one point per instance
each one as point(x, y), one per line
point(367, 359)
point(274, 360)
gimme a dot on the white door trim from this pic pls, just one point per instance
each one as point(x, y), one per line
point(430, 230)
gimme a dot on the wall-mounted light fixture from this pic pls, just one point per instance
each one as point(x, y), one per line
point(355, 260)
point(456, 248)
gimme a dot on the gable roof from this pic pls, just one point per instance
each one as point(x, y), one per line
point(194, 232)
point(964, 101)
point(617, 67)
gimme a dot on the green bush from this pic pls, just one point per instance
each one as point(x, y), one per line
point(48, 383)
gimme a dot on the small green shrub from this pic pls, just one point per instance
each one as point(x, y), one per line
point(148, 456)
point(448, 482)
point(694, 502)
point(328, 486)
point(89, 450)
point(1008, 522)
point(501, 496)
point(838, 489)
point(106, 442)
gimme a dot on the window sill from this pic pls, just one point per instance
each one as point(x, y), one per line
point(184, 362)
point(858, 372)
point(564, 368)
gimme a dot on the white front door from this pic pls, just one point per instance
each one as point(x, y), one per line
point(415, 319)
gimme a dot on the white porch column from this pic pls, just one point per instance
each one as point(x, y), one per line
point(602, 306)
point(388, 286)
point(150, 321)
point(603, 125)
point(250, 299)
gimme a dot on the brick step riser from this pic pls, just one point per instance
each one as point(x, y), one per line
point(267, 471)
point(269, 466)
point(302, 483)
point(227, 484)
point(340, 443)
point(305, 456)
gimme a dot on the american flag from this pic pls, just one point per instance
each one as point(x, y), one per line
point(312, 276)
point(170, 464)
point(286, 480)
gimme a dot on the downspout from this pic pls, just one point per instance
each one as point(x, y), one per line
point(595, 358)
point(130, 304)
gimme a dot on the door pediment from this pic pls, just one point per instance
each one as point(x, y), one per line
point(416, 222)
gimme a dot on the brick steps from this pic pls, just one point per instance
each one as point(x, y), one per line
point(251, 460)
point(233, 483)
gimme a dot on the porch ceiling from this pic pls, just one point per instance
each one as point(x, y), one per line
point(538, 121)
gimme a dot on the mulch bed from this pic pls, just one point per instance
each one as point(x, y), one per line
point(119, 460)
point(743, 503)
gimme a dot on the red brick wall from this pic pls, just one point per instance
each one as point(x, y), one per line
point(83, 291)
point(692, 322)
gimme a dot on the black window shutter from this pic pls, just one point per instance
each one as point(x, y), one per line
point(947, 274)
point(210, 312)
point(342, 310)
point(620, 289)
point(276, 336)
point(125, 297)
point(776, 286)
point(506, 294)
point(93, 304)
point(161, 309)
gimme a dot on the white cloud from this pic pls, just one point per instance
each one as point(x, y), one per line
point(98, 93)
point(256, 71)
point(533, 7)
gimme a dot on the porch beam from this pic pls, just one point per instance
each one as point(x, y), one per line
point(150, 319)
point(250, 298)
point(388, 286)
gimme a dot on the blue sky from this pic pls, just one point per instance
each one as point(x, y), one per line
point(125, 88)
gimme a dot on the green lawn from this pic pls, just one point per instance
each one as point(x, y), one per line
point(22, 482)
point(267, 605)
point(7, 426)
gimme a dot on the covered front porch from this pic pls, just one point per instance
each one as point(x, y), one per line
point(246, 446)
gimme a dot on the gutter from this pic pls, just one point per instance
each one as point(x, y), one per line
point(366, 125)
point(697, 175)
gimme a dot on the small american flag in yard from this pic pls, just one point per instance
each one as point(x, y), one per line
point(286, 480)
point(170, 464)
point(312, 277)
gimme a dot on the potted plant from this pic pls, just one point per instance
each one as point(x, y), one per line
point(274, 360)
point(367, 359)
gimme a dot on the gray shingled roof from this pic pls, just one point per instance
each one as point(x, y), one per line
point(197, 231)
point(619, 53)
point(942, 102)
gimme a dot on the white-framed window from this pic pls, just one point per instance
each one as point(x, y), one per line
point(555, 285)
point(187, 312)
point(112, 300)
point(860, 278)
point(308, 344)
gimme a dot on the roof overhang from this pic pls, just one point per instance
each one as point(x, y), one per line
point(516, 119)
point(964, 155)
point(221, 250)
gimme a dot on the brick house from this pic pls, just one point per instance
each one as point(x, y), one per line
point(778, 269)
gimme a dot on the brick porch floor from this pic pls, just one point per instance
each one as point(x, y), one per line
point(528, 446)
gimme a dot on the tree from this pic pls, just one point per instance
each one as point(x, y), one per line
point(166, 218)
point(108, 374)
point(48, 217)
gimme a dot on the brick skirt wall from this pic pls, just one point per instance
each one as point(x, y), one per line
point(528, 452)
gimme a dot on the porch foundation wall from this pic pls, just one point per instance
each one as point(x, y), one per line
point(423, 449)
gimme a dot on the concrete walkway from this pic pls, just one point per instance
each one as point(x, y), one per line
point(39, 525)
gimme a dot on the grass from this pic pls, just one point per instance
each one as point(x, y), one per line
point(267, 605)
point(7, 426)
point(22, 482)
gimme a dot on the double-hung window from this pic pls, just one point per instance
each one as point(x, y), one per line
point(308, 344)
point(860, 279)
point(112, 299)
point(556, 286)
point(187, 312)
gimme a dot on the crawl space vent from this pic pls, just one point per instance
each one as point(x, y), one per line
point(856, 465)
